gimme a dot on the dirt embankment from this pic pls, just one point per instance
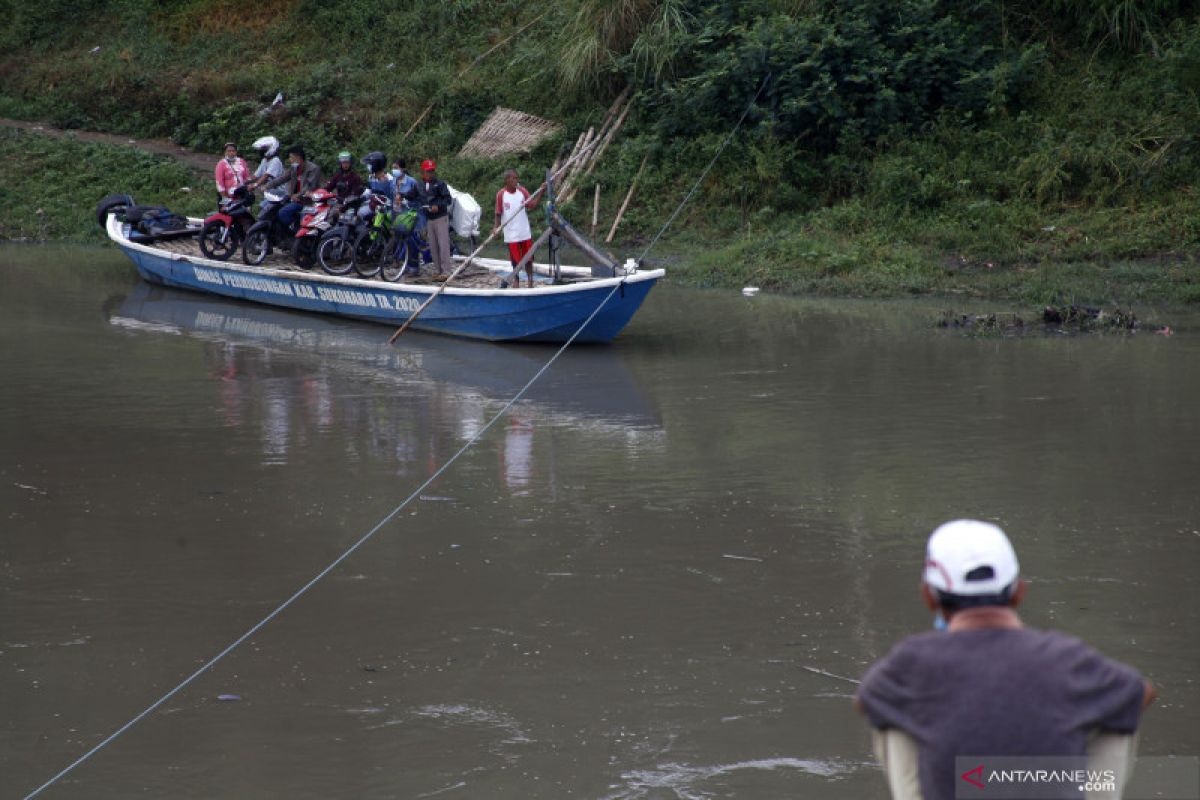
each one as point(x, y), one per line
point(201, 163)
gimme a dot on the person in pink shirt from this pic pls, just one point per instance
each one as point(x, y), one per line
point(231, 171)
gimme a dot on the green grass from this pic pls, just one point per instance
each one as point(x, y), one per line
point(52, 185)
point(852, 248)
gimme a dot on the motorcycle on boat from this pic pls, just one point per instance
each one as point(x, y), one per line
point(318, 217)
point(223, 231)
point(335, 252)
point(268, 233)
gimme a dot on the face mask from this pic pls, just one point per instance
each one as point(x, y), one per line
point(396, 173)
point(230, 159)
point(939, 622)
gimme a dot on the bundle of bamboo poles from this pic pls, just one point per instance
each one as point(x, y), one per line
point(613, 120)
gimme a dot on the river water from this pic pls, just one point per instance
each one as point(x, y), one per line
point(651, 579)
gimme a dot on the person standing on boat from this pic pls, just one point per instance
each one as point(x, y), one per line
point(345, 182)
point(378, 178)
point(512, 201)
point(432, 193)
point(231, 171)
point(405, 184)
point(269, 165)
point(301, 178)
point(983, 685)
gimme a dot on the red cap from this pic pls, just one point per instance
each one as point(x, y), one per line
point(428, 165)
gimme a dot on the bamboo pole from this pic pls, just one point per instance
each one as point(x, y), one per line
point(628, 195)
point(421, 117)
point(575, 151)
point(612, 132)
point(612, 110)
point(586, 167)
point(592, 137)
point(604, 134)
point(595, 211)
point(572, 158)
point(609, 116)
point(564, 191)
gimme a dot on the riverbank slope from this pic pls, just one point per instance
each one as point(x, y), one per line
point(992, 153)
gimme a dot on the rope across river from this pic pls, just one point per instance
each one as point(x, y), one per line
point(366, 537)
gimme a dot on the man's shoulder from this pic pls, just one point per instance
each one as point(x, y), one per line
point(1004, 641)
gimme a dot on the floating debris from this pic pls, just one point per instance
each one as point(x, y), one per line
point(999, 322)
point(1054, 319)
point(1088, 317)
point(229, 697)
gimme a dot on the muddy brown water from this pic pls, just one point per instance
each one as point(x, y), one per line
point(631, 587)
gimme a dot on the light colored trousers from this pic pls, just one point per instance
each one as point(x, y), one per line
point(897, 754)
point(437, 231)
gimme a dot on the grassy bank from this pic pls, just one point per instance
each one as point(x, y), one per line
point(52, 185)
point(850, 249)
point(1037, 154)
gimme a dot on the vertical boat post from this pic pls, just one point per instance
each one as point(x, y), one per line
point(551, 213)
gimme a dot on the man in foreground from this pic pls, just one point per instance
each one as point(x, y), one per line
point(984, 685)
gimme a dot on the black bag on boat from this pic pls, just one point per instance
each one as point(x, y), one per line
point(165, 223)
point(154, 220)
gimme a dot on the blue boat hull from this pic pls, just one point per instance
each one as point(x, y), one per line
point(543, 314)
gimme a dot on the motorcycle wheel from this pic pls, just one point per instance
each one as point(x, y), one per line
point(219, 241)
point(304, 252)
point(335, 252)
point(257, 246)
point(368, 251)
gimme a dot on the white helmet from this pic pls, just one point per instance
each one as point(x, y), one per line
point(267, 145)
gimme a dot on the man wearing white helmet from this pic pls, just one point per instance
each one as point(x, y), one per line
point(982, 684)
point(269, 165)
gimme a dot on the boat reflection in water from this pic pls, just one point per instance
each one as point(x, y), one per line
point(295, 376)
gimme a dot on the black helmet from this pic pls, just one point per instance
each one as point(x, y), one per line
point(375, 161)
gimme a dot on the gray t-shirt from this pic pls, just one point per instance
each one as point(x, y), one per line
point(998, 692)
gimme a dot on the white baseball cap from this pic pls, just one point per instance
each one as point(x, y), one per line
point(970, 558)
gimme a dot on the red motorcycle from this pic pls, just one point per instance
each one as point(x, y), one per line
point(319, 216)
point(224, 230)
